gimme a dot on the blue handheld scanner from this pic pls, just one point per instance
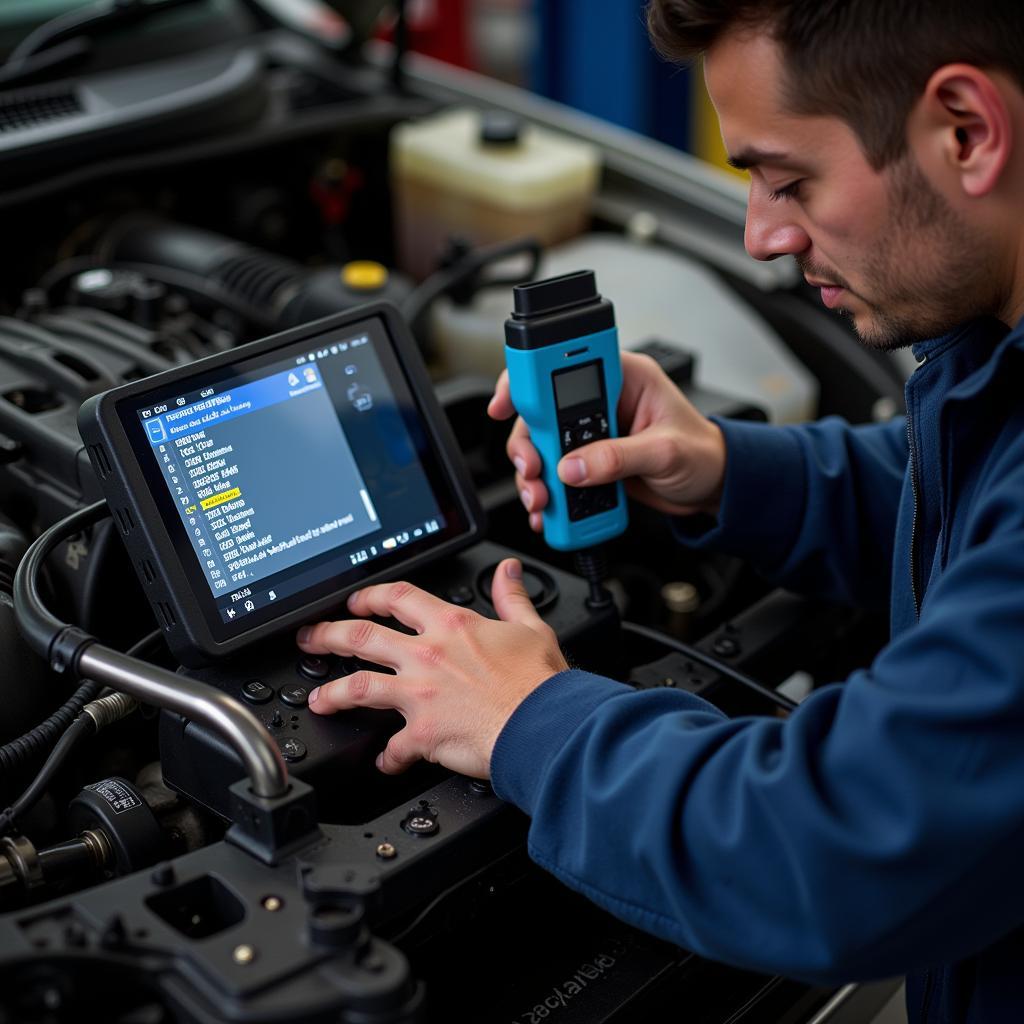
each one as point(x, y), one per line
point(562, 353)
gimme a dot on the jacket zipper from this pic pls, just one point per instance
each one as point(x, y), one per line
point(913, 520)
point(926, 995)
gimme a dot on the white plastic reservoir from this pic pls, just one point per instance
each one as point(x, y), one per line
point(657, 294)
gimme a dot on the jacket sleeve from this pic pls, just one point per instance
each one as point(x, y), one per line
point(813, 508)
point(877, 829)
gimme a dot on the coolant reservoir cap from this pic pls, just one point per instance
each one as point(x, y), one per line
point(364, 275)
point(500, 129)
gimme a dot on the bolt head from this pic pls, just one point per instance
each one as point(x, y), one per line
point(386, 851)
point(243, 954)
point(272, 903)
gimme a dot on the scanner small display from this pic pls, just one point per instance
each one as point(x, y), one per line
point(576, 387)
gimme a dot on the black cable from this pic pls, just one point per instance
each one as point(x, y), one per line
point(464, 276)
point(83, 727)
point(401, 45)
point(79, 730)
point(708, 661)
point(39, 627)
point(592, 565)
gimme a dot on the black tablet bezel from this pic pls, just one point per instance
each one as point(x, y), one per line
point(151, 527)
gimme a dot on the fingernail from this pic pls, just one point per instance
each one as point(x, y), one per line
point(514, 571)
point(527, 498)
point(574, 471)
point(520, 463)
point(380, 761)
point(314, 694)
point(350, 600)
point(304, 634)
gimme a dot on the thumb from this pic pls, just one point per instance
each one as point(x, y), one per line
point(509, 596)
point(603, 462)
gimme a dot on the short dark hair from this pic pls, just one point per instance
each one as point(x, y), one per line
point(865, 61)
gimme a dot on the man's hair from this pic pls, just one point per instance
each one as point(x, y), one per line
point(864, 61)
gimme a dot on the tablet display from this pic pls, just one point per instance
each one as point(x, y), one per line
point(291, 472)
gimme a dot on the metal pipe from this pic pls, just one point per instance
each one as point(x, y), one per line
point(236, 725)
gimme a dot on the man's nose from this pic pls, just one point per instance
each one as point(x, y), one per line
point(772, 230)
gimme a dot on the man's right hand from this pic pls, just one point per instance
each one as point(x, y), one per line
point(671, 457)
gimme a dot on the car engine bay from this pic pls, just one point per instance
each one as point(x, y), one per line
point(204, 177)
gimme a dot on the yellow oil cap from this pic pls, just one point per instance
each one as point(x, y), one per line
point(364, 275)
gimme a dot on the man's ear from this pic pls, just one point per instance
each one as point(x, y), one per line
point(962, 123)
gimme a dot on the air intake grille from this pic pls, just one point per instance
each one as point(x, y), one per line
point(27, 111)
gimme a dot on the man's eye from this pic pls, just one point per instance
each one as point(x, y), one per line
point(786, 192)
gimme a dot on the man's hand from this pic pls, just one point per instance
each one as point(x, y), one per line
point(458, 679)
point(671, 456)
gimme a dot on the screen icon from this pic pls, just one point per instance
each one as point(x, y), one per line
point(249, 606)
point(156, 431)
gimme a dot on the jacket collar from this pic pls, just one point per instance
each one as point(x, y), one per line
point(971, 354)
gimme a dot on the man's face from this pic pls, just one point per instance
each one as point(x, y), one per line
point(883, 246)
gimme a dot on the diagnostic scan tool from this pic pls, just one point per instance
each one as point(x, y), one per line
point(256, 488)
point(562, 353)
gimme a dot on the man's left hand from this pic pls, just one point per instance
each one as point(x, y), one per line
point(458, 679)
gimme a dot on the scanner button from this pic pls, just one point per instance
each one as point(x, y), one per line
point(292, 749)
point(294, 696)
point(461, 595)
point(314, 668)
point(256, 692)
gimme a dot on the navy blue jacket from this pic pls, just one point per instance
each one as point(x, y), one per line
point(880, 829)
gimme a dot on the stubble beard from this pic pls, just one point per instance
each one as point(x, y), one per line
point(933, 272)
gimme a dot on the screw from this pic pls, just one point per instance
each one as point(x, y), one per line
point(386, 851)
point(163, 875)
point(243, 955)
point(421, 825)
point(725, 647)
point(272, 903)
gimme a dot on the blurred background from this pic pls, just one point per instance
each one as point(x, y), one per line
point(595, 57)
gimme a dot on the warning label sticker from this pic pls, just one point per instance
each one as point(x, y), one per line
point(117, 794)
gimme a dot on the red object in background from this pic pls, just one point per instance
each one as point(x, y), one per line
point(439, 28)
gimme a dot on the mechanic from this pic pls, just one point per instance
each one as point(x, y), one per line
point(880, 829)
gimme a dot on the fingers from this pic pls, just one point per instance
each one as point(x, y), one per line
point(650, 454)
point(399, 755)
point(369, 690)
point(359, 690)
point(521, 452)
point(410, 605)
point(358, 637)
point(531, 489)
point(509, 596)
